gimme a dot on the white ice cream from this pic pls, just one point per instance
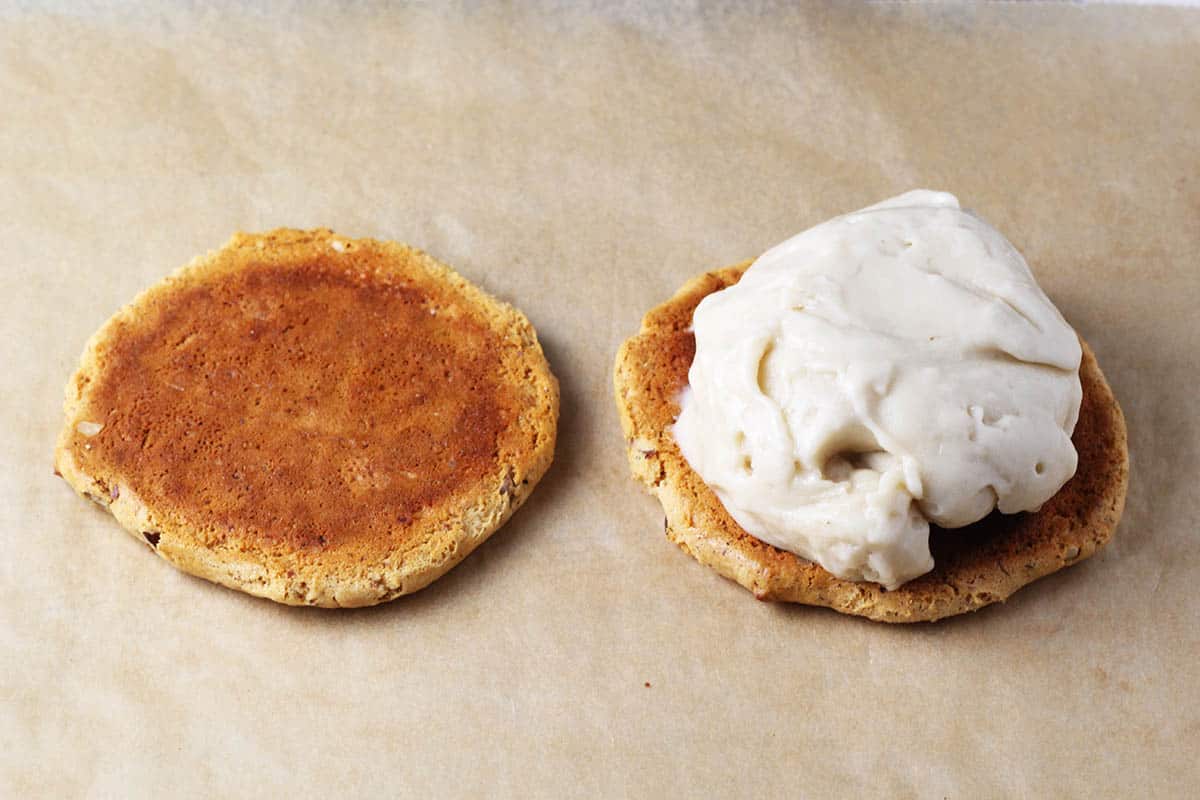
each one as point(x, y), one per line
point(886, 369)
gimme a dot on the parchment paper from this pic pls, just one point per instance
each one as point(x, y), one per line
point(583, 163)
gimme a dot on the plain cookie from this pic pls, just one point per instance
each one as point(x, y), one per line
point(312, 419)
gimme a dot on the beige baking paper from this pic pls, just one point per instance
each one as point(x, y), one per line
point(583, 164)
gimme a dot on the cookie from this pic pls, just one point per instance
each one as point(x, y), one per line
point(976, 565)
point(310, 418)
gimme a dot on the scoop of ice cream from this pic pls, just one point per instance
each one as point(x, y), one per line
point(883, 370)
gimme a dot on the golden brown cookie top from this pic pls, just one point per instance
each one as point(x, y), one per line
point(314, 397)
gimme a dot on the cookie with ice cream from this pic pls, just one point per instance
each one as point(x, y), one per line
point(884, 414)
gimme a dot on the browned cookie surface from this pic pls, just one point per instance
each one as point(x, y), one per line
point(974, 566)
point(311, 418)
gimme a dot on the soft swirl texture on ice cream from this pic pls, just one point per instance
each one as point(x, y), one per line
point(886, 369)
